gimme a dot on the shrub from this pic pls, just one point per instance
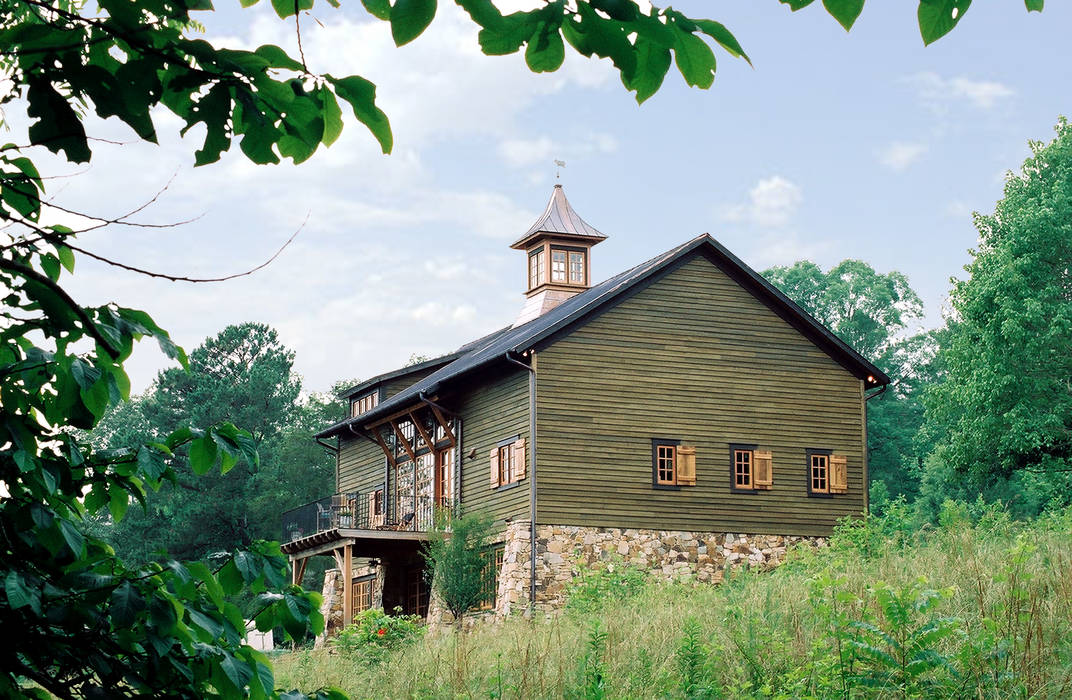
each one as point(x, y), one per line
point(375, 634)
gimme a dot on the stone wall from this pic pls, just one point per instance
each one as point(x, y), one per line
point(667, 555)
point(562, 550)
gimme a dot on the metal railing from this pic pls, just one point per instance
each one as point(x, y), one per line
point(368, 510)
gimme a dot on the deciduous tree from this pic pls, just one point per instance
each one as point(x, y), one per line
point(1006, 404)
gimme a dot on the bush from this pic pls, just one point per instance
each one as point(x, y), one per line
point(375, 634)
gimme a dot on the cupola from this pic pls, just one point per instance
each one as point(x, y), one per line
point(558, 253)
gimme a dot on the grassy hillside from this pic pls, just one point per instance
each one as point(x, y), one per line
point(980, 607)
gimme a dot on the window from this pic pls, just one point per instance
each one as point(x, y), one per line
point(507, 462)
point(492, 566)
point(576, 267)
point(364, 404)
point(444, 477)
point(750, 468)
point(664, 462)
point(818, 472)
point(558, 265)
point(537, 268)
point(742, 469)
point(362, 594)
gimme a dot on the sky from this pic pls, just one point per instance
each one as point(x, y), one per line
point(835, 145)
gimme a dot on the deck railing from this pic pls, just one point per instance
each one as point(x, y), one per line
point(367, 510)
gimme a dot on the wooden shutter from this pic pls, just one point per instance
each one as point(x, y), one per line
point(762, 469)
point(686, 465)
point(494, 459)
point(839, 474)
point(519, 458)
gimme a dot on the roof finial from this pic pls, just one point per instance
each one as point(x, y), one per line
point(559, 164)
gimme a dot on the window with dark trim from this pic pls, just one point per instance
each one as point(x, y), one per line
point(742, 461)
point(364, 404)
point(537, 268)
point(818, 465)
point(664, 462)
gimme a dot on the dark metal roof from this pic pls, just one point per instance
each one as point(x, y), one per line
point(559, 218)
point(581, 308)
point(400, 372)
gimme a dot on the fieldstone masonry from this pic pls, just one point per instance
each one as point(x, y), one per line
point(561, 550)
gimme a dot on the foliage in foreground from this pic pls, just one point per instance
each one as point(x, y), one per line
point(457, 560)
point(980, 607)
point(375, 634)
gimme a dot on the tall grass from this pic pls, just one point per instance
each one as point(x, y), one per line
point(979, 607)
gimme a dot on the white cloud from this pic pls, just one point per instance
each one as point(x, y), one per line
point(899, 155)
point(522, 153)
point(772, 202)
point(938, 91)
point(958, 209)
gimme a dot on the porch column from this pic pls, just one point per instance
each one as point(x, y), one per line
point(347, 585)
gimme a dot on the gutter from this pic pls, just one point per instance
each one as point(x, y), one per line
point(334, 449)
point(511, 356)
point(880, 392)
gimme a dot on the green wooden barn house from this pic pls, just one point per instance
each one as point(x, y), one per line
point(683, 416)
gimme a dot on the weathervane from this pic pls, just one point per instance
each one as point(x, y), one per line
point(558, 165)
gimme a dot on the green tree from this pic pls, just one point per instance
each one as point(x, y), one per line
point(457, 559)
point(868, 310)
point(1006, 404)
point(243, 374)
point(88, 623)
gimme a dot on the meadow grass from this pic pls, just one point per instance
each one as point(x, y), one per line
point(979, 607)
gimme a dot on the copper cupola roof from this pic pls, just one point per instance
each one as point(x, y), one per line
point(561, 221)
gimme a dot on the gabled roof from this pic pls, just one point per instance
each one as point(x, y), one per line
point(560, 219)
point(585, 306)
point(400, 372)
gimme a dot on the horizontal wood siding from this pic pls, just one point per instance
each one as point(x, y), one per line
point(496, 409)
point(693, 357)
point(393, 386)
point(360, 465)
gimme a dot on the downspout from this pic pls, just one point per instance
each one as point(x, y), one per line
point(511, 357)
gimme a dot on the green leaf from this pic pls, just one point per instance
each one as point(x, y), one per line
point(724, 38)
point(653, 61)
point(694, 59)
point(409, 18)
point(58, 126)
point(66, 256)
point(151, 463)
point(210, 628)
point(795, 5)
point(1034, 5)
point(844, 11)
point(74, 539)
point(380, 9)
point(545, 51)
point(51, 265)
point(361, 94)
point(230, 578)
point(118, 502)
point(202, 454)
point(126, 603)
point(332, 116)
point(938, 17)
point(289, 8)
point(19, 595)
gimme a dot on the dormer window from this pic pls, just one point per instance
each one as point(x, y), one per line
point(576, 267)
point(537, 268)
point(364, 404)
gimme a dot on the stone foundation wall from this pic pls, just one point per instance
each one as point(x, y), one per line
point(561, 550)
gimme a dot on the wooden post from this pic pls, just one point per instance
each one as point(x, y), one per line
point(347, 585)
point(293, 571)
